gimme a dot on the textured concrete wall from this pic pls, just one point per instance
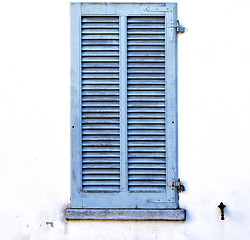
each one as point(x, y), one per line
point(214, 129)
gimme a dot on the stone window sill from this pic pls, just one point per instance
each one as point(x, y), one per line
point(126, 214)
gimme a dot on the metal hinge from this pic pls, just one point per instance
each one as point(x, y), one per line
point(179, 29)
point(176, 25)
point(179, 186)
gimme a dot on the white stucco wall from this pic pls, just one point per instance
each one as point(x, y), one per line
point(214, 125)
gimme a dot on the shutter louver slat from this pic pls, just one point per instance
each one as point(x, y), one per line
point(146, 104)
point(100, 104)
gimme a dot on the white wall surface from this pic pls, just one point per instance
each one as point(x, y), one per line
point(214, 125)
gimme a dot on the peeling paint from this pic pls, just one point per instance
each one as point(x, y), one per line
point(74, 175)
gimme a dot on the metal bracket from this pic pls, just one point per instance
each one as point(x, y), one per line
point(156, 9)
point(179, 186)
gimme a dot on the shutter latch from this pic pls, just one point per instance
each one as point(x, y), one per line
point(179, 186)
point(179, 29)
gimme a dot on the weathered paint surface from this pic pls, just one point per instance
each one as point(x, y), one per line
point(214, 130)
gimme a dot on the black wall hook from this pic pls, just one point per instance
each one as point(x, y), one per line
point(221, 207)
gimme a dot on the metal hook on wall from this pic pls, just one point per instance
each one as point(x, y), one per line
point(221, 207)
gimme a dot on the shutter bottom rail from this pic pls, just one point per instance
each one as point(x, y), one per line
point(126, 214)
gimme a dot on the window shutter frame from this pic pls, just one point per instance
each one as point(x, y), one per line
point(124, 198)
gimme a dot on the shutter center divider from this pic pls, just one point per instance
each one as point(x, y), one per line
point(123, 104)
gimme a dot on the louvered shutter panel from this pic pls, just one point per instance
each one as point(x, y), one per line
point(146, 104)
point(100, 104)
point(124, 118)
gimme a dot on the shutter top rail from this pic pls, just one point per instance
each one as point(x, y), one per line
point(122, 9)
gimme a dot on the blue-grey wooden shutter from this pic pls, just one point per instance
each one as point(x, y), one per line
point(124, 105)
